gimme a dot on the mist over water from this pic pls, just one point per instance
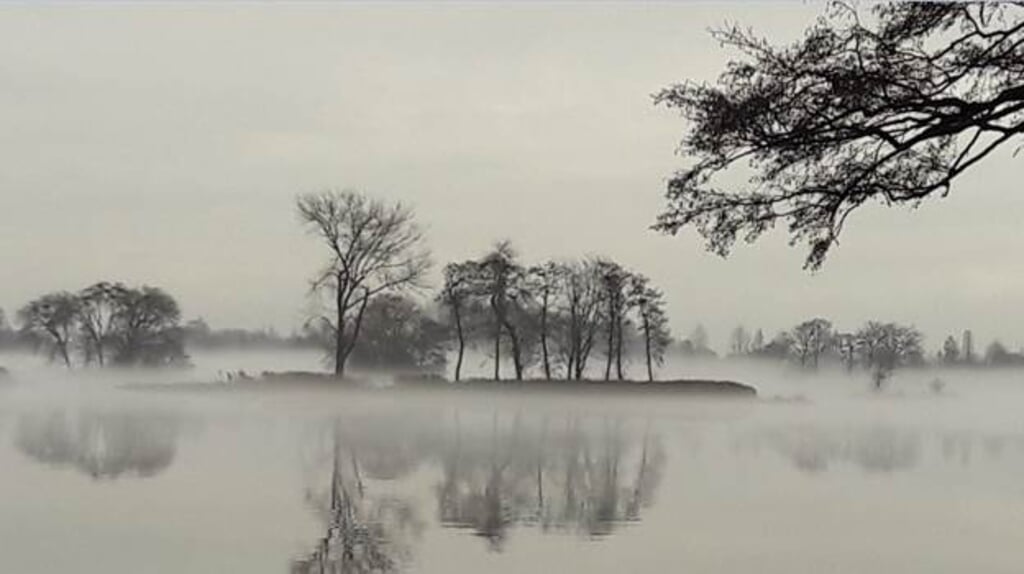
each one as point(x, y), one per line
point(818, 474)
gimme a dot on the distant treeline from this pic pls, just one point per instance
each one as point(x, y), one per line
point(877, 347)
point(103, 324)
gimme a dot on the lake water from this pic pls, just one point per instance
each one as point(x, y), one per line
point(97, 479)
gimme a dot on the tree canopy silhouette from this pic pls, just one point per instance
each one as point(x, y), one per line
point(891, 105)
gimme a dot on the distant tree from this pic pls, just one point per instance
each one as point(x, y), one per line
point(456, 295)
point(778, 348)
point(398, 334)
point(890, 107)
point(757, 344)
point(846, 346)
point(53, 318)
point(145, 328)
point(582, 311)
point(654, 327)
point(699, 339)
point(96, 317)
point(811, 339)
point(887, 346)
point(502, 281)
point(614, 284)
point(547, 282)
point(997, 355)
point(373, 247)
point(968, 347)
point(739, 341)
point(950, 354)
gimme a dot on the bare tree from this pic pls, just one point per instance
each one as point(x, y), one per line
point(456, 295)
point(890, 107)
point(846, 345)
point(810, 339)
point(739, 341)
point(887, 346)
point(582, 304)
point(547, 281)
point(97, 318)
point(502, 281)
point(53, 317)
point(650, 307)
point(374, 247)
point(614, 282)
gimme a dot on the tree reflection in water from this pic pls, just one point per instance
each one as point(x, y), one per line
point(365, 530)
point(578, 475)
point(573, 474)
point(814, 450)
point(104, 445)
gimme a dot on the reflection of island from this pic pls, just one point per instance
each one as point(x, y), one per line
point(567, 476)
point(100, 444)
point(571, 475)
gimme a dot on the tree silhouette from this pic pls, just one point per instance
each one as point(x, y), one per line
point(890, 106)
point(373, 248)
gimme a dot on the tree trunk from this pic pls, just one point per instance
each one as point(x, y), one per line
point(462, 343)
point(611, 349)
point(544, 338)
point(618, 350)
point(339, 329)
point(497, 352)
point(647, 348)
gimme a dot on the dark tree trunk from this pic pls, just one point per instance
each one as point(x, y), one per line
point(497, 352)
point(544, 338)
point(611, 348)
point(647, 348)
point(618, 349)
point(462, 342)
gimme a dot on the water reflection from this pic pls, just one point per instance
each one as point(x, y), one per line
point(877, 449)
point(586, 478)
point(103, 445)
point(490, 475)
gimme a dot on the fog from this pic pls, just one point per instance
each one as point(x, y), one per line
point(818, 472)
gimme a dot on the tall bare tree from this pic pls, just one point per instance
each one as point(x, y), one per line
point(456, 295)
point(503, 282)
point(546, 285)
point(97, 318)
point(374, 247)
point(583, 302)
point(650, 305)
point(891, 106)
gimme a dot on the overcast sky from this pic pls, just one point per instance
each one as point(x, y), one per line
point(164, 144)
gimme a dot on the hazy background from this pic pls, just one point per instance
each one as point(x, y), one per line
point(164, 144)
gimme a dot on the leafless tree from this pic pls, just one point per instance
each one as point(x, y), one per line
point(547, 285)
point(887, 346)
point(53, 317)
point(811, 339)
point(456, 294)
point(650, 307)
point(374, 247)
point(582, 304)
point(97, 318)
point(890, 106)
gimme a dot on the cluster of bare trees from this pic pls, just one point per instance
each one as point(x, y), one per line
point(554, 315)
point(877, 347)
point(106, 324)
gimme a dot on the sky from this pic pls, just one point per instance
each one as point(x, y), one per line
point(164, 144)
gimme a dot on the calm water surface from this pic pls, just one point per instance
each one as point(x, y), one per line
point(109, 480)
